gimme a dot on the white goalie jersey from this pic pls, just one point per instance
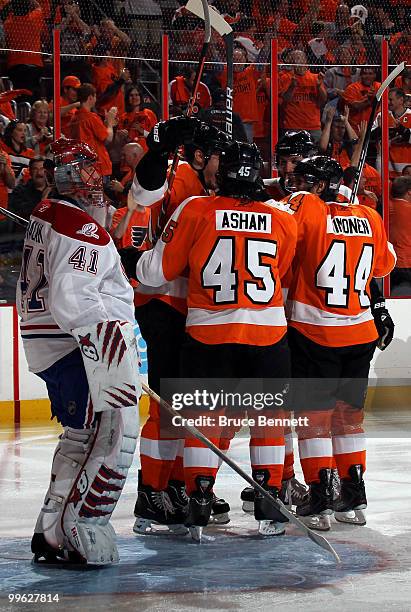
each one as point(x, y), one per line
point(71, 276)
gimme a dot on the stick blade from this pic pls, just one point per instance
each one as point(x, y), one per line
point(216, 20)
point(390, 78)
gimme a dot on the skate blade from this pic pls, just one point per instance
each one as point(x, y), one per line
point(271, 528)
point(352, 517)
point(219, 519)
point(248, 507)
point(320, 522)
point(148, 527)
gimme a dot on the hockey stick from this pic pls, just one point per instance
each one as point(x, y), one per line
point(278, 504)
point(189, 111)
point(390, 78)
point(214, 20)
point(19, 220)
point(220, 25)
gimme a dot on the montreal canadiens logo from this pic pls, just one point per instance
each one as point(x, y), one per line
point(90, 230)
point(88, 348)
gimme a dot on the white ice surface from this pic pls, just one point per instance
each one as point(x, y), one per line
point(237, 570)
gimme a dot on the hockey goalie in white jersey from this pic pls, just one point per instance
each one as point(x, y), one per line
point(77, 317)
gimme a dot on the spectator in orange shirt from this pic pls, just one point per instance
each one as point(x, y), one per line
point(337, 137)
point(7, 180)
point(136, 122)
point(404, 81)
point(244, 90)
point(131, 154)
point(24, 28)
point(74, 36)
point(302, 94)
point(110, 84)
point(88, 127)
point(180, 90)
point(14, 143)
point(400, 234)
point(360, 96)
point(39, 132)
point(68, 101)
point(401, 43)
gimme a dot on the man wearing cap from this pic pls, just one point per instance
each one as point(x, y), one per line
point(68, 101)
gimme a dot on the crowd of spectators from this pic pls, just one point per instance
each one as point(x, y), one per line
point(329, 56)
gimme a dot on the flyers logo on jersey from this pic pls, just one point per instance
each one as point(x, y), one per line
point(348, 226)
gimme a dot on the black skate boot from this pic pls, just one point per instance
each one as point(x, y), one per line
point(248, 497)
point(352, 500)
point(293, 492)
point(219, 511)
point(316, 511)
point(155, 508)
point(200, 506)
point(176, 490)
point(271, 521)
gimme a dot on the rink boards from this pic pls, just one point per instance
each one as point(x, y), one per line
point(23, 395)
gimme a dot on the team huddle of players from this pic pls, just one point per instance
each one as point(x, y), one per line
point(219, 285)
point(286, 292)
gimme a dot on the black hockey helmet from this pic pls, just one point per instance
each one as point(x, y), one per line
point(295, 142)
point(208, 139)
point(321, 168)
point(239, 169)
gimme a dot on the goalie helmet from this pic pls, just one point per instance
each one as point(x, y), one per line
point(312, 170)
point(239, 169)
point(77, 172)
point(208, 139)
point(295, 143)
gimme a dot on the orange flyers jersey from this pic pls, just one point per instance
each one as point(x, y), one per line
point(185, 185)
point(235, 253)
point(341, 247)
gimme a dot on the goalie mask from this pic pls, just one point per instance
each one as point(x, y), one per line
point(311, 171)
point(77, 172)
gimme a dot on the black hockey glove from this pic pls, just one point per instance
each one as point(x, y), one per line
point(383, 323)
point(129, 257)
point(166, 136)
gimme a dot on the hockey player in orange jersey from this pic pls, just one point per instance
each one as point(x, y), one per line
point(161, 313)
point(235, 250)
point(333, 334)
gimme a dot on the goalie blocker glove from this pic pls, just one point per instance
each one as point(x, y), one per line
point(166, 136)
point(382, 318)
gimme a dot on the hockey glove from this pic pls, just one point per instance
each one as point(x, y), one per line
point(383, 323)
point(129, 257)
point(166, 136)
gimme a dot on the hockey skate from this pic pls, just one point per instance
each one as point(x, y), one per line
point(316, 511)
point(219, 511)
point(156, 514)
point(349, 507)
point(293, 493)
point(200, 506)
point(270, 520)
